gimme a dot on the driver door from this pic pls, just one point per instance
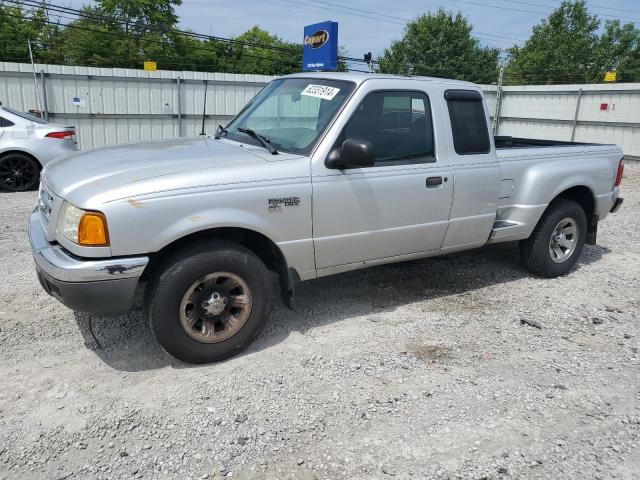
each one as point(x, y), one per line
point(397, 207)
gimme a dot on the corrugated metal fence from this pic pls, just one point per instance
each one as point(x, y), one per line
point(113, 105)
point(608, 113)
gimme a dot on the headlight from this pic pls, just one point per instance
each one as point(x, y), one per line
point(83, 227)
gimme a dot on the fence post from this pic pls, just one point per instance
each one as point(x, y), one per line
point(179, 106)
point(575, 117)
point(496, 113)
point(45, 102)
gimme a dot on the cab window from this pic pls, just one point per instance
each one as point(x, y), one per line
point(397, 123)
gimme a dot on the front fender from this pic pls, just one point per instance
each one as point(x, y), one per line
point(210, 219)
point(146, 225)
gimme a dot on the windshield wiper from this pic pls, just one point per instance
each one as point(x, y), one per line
point(221, 130)
point(266, 143)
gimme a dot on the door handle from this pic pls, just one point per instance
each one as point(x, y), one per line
point(433, 182)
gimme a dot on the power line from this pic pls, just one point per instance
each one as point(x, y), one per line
point(80, 13)
point(589, 4)
point(556, 6)
point(387, 18)
point(362, 10)
point(120, 34)
point(202, 46)
point(502, 7)
point(602, 7)
point(200, 36)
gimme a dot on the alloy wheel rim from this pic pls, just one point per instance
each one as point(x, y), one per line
point(216, 307)
point(17, 174)
point(564, 240)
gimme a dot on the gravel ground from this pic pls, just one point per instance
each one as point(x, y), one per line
point(415, 370)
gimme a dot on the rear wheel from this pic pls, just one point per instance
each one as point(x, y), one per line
point(557, 241)
point(210, 302)
point(18, 172)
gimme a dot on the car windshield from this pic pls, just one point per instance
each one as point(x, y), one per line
point(26, 116)
point(291, 113)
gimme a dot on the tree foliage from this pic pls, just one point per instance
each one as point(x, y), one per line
point(125, 33)
point(17, 28)
point(254, 59)
point(441, 44)
point(568, 48)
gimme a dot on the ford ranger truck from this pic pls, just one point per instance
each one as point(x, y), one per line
point(320, 173)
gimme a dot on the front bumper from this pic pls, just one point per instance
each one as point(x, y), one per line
point(84, 285)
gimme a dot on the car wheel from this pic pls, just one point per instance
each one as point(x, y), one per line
point(209, 302)
point(19, 172)
point(557, 241)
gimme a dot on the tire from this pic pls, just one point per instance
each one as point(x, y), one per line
point(19, 173)
point(222, 327)
point(552, 257)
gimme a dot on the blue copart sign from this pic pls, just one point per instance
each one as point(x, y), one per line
point(320, 50)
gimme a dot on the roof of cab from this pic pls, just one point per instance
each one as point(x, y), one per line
point(360, 77)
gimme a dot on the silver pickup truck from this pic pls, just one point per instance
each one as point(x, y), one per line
point(318, 174)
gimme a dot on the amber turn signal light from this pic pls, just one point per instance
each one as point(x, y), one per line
point(92, 231)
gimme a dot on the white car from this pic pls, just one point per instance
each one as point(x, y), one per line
point(28, 143)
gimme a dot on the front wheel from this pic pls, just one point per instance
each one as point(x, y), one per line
point(557, 241)
point(210, 302)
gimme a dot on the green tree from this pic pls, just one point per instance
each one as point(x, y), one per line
point(141, 17)
point(281, 59)
point(198, 55)
point(441, 44)
point(123, 33)
point(566, 48)
point(18, 26)
point(619, 49)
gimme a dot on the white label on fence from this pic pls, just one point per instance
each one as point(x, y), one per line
point(320, 91)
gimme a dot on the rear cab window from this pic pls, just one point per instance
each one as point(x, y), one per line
point(468, 122)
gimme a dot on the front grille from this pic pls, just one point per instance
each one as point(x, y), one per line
point(45, 202)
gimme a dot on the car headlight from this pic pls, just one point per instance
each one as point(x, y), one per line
point(83, 227)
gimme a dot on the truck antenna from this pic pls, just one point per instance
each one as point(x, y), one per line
point(204, 107)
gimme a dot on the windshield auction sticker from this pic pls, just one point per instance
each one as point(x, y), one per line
point(320, 91)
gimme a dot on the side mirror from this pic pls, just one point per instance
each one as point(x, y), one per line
point(352, 154)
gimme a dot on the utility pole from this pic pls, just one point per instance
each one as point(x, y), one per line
point(496, 113)
point(35, 80)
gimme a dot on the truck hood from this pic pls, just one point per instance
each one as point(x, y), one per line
point(115, 172)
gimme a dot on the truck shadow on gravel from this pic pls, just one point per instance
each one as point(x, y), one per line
point(124, 342)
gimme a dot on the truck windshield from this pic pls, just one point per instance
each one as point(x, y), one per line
point(290, 112)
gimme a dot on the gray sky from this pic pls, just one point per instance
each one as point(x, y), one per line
point(360, 31)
